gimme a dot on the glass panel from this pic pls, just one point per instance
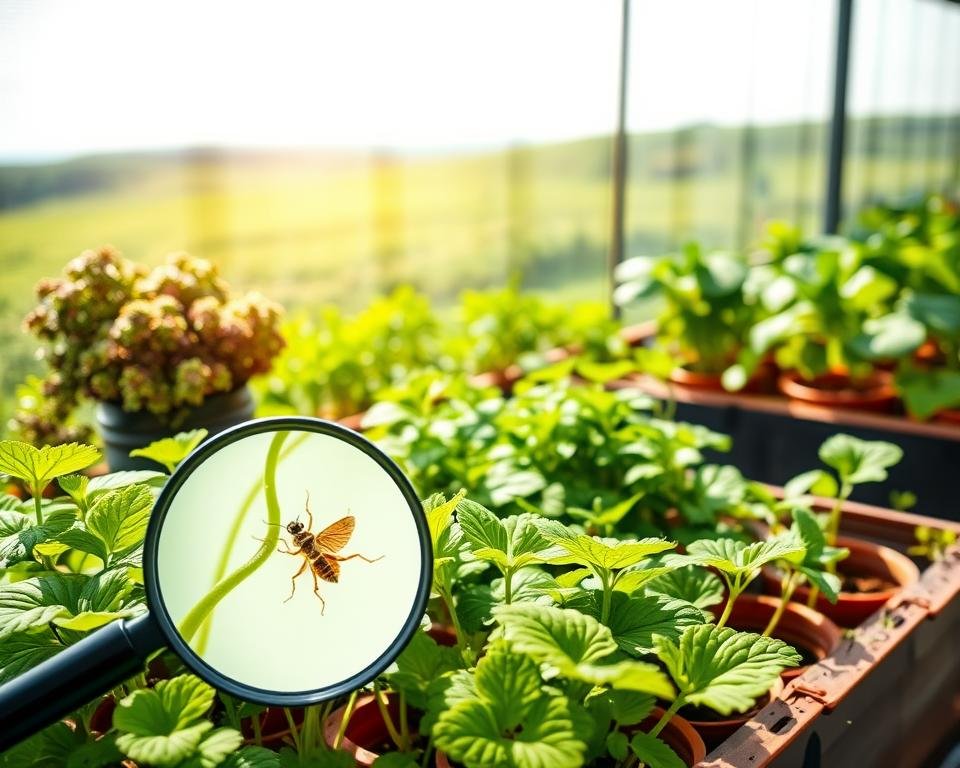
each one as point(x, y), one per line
point(328, 156)
point(726, 131)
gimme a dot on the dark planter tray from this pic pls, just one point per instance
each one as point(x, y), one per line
point(775, 438)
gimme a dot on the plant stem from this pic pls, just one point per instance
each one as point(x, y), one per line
point(192, 621)
point(426, 753)
point(385, 714)
point(37, 493)
point(786, 592)
point(733, 589)
point(662, 722)
point(833, 529)
point(257, 731)
point(607, 587)
point(347, 714)
point(231, 540)
point(293, 728)
point(507, 585)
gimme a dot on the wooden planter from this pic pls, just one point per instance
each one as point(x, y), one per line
point(888, 695)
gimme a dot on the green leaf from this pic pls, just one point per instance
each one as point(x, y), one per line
point(512, 722)
point(739, 559)
point(724, 669)
point(889, 337)
point(926, 393)
point(859, 461)
point(104, 483)
point(255, 757)
point(816, 481)
point(19, 535)
point(164, 726)
point(618, 745)
point(692, 584)
point(95, 754)
point(607, 553)
point(37, 601)
point(635, 620)
point(654, 753)
point(511, 543)
point(574, 643)
point(24, 651)
point(215, 747)
point(170, 451)
point(38, 466)
point(119, 518)
point(868, 288)
point(396, 760)
point(421, 663)
point(75, 486)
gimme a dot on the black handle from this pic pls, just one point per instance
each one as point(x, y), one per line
point(76, 675)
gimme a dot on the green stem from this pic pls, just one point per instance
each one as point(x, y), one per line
point(786, 592)
point(37, 493)
point(507, 585)
point(293, 728)
point(231, 540)
point(347, 714)
point(257, 731)
point(733, 588)
point(662, 722)
point(192, 621)
point(833, 525)
point(385, 714)
point(426, 752)
point(607, 587)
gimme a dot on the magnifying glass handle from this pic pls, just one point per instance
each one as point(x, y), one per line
point(76, 675)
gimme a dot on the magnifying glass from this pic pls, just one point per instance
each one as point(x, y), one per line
point(287, 561)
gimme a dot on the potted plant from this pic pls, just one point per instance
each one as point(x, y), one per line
point(871, 574)
point(157, 350)
point(706, 312)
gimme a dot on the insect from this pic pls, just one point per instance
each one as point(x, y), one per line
point(319, 550)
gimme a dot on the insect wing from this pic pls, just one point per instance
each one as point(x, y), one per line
point(328, 570)
point(335, 536)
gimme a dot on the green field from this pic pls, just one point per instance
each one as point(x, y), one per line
point(313, 227)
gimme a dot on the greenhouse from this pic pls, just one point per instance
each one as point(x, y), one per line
point(521, 385)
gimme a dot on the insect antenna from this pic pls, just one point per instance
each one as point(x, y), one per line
point(279, 525)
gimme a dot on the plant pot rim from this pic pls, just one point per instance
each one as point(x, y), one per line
point(734, 720)
point(880, 389)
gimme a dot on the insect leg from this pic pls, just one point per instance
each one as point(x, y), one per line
point(350, 557)
point(286, 551)
point(293, 579)
point(316, 591)
point(306, 506)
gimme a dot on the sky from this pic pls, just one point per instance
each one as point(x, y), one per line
point(113, 75)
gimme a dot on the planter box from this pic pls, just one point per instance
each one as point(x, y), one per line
point(775, 438)
point(891, 693)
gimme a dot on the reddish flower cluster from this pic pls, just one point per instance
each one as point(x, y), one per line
point(158, 340)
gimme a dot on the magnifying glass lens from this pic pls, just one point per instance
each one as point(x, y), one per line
point(288, 563)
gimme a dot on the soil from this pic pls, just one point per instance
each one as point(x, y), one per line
point(865, 584)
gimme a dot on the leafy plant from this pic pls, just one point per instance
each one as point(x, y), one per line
point(158, 341)
point(38, 467)
point(932, 543)
point(170, 451)
point(739, 563)
point(721, 668)
point(705, 315)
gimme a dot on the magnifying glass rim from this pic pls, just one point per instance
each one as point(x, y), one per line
point(152, 542)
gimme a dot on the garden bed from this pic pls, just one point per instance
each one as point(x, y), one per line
point(773, 436)
point(888, 696)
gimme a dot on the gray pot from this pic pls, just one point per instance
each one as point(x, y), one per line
point(123, 431)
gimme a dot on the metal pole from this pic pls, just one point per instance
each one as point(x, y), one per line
point(619, 159)
point(838, 118)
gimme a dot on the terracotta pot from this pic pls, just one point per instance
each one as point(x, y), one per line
point(803, 628)
point(274, 727)
point(866, 560)
point(443, 635)
point(366, 731)
point(836, 390)
point(696, 379)
point(678, 734)
point(929, 353)
point(713, 382)
point(714, 732)
point(948, 416)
